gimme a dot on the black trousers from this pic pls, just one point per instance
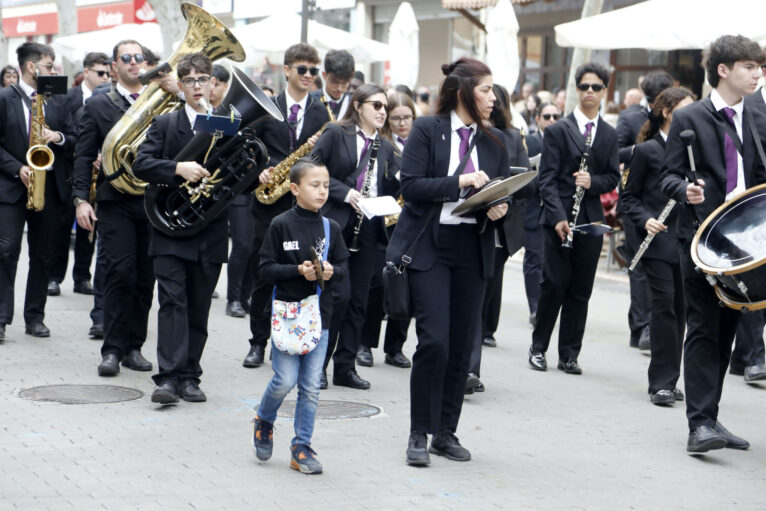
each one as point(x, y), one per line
point(447, 300)
point(640, 311)
point(748, 343)
point(710, 333)
point(185, 290)
point(668, 323)
point(533, 265)
point(238, 270)
point(99, 282)
point(83, 248)
point(568, 275)
point(396, 329)
point(350, 302)
point(41, 226)
point(260, 300)
point(129, 278)
point(490, 310)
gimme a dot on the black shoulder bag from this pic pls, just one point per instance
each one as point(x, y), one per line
point(396, 285)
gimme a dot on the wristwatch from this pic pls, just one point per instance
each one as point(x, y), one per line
point(77, 201)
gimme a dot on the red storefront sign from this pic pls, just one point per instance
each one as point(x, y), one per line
point(143, 11)
point(33, 24)
point(98, 17)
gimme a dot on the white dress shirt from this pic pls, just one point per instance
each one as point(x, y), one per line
point(763, 93)
point(454, 161)
point(86, 92)
point(583, 120)
point(126, 93)
point(191, 114)
point(719, 103)
point(290, 102)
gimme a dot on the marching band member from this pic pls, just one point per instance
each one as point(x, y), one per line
point(347, 149)
point(453, 260)
point(337, 74)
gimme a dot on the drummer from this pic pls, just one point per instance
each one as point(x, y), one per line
point(733, 68)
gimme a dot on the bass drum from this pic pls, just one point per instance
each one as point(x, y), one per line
point(730, 247)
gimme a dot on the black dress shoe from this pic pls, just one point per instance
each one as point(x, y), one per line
point(96, 331)
point(471, 382)
point(191, 392)
point(417, 450)
point(663, 397)
point(732, 440)
point(109, 366)
point(165, 393)
point(489, 342)
point(569, 366)
point(83, 287)
point(398, 360)
point(2, 332)
point(645, 342)
point(323, 380)
point(254, 357)
point(53, 288)
point(736, 371)
point(678, 394)
point(136, 361)
point(350, 379)
point(364, 356)
point(755, 373)
point(537, 360)
point(704, 439)
point(446, 444)
point(235, 310)
point(37, 329)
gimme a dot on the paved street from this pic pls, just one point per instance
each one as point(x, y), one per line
point(538, 440)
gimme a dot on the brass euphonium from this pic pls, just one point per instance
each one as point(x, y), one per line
point(39, 157)
point(204, 33)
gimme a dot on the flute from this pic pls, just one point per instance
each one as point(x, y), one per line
point(649, 237)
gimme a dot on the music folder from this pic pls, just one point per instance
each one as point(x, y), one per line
point(226, 126)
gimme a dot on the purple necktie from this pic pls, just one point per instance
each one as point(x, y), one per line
point(134, 96)
point(292, 124)
point(360, 177)
point(588, 129)
point(730, 153)
point(334, 106)
point(465, 134)
point(401, 140)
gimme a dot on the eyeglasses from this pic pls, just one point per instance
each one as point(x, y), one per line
point(302, 70)
point(555, 117)
point(190, 82)
point(597, 87)
point(401, 119)
point(99, 73)
point(46, 66)
point(377, 105)
point(127, 57)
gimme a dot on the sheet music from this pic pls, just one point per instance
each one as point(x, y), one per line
point(379, 206)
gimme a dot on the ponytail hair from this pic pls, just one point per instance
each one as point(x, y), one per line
point(666, 100)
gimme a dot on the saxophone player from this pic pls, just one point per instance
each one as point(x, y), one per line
point(568, 273)
point(304, 116)
point(16, 106)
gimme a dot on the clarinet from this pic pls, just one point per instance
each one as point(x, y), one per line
point(579, 194)
point(649, 237)
point(354, 246)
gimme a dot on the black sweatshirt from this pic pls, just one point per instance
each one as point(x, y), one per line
point(288, 243)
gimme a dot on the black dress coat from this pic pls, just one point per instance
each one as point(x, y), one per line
point(425, 184)
point(629, 124)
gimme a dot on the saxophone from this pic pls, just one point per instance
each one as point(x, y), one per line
point(579, 194)
point(279, 180)
point(39, 157)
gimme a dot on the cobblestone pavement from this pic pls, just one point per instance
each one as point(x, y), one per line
point(539, 440)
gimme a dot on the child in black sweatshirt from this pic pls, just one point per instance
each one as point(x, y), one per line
point(286, 257)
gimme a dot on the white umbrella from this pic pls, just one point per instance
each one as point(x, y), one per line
point(74, 47)
point(664, 25)
point(503, 50)
point(404, 44)
point(271, 36)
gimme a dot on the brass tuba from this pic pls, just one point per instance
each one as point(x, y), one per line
point(205, 33)
point(39, 157)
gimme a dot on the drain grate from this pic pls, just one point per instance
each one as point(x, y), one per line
point(333, 410)
point(81, 394)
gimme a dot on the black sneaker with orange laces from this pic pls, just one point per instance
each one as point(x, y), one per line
point(263, 438)
point(304, 459)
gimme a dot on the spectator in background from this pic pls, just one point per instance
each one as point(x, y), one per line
point(612, 113)
point(527, 90)
point(218, 92)
point(531, 103)
point(317, 85)
point(9, 76)
point(423, 101)
point(561, 99)
point(78, 78)
point(267, 90)
point(356, 81)
point(632, 97)
point(405, 90)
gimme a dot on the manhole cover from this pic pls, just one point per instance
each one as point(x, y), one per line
point(81, 394)
point(333, 410)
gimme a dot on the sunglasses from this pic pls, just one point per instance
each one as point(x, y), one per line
point(127, 57)
point(189, 82)
point(302, 70)
point(597, 87)
point(555, 117)
point(377, 105)
point(99, 73)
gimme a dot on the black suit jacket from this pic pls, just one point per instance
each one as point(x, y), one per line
point(562, 151)
point(755, 101)
point(276, 136)
point(167, 135)
point(425, 184)
point(709, 159)
point(336, 148)
point(14, 142)
point(535, 143)
point(512, 234)
point(629, 124)
point(99, 115)
point(642, 198)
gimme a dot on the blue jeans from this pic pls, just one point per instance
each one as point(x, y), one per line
point(304, 370)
